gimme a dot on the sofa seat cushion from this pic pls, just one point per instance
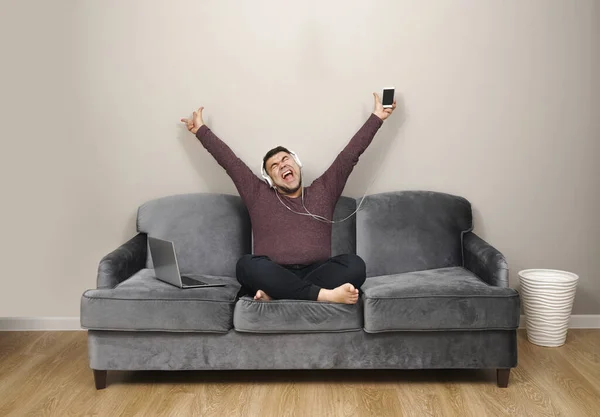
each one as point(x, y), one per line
point(296, 316)
point(438, 299)
point(142, 302)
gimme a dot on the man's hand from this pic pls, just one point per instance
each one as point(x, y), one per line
point(195, 122)
point(380, 111)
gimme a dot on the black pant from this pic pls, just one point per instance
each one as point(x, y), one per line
point(300, 282)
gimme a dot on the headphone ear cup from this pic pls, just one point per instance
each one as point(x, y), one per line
point(266, 177)
point(268, 180)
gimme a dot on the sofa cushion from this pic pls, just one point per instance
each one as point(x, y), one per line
point(296, 316)
point(439, 299)
point(343, 235)
point(411, 231)
point(142, 302)
point(210, 231)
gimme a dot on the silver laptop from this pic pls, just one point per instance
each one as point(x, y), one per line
point(166, 267)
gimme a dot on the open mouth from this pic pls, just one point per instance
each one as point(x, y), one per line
point(287, 175)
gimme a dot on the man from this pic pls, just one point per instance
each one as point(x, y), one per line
point(292, 240)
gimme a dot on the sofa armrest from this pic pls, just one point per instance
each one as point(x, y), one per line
point(123, 262)
point(485, 261)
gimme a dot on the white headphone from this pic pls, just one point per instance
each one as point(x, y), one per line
point(269, 181)
point(266, 176)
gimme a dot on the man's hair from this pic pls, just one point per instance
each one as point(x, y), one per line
point(272, 152)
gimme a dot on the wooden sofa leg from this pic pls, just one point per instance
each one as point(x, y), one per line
point(100, 378)
point(502, 377)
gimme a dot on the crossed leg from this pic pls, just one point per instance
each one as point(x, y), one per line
point(335, 280)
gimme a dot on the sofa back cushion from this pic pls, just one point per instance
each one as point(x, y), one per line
point(409, 231)
point(343, 235)
point(210, 231)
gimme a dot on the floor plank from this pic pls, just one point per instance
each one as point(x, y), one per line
point(47, 374)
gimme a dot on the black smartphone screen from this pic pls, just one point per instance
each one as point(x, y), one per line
point(388, 97)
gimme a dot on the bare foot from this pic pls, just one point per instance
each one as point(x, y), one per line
point(261, 295)
point(345, 293)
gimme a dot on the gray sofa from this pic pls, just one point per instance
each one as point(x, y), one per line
point(436, 295)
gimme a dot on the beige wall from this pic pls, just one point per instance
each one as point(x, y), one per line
point(497, 106)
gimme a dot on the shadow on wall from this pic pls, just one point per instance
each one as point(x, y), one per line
point(478, 222)
point(378, 154)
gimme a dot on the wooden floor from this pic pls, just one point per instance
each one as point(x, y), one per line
point(47, 373)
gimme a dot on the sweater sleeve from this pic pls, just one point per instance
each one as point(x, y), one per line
point(244, 179)
point(334, 179)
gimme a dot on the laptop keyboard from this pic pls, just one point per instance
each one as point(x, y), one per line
point(191, 281)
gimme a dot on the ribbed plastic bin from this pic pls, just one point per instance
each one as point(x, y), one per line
point(547, 296)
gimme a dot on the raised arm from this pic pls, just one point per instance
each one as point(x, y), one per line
point(334, 179)
point(244, 179)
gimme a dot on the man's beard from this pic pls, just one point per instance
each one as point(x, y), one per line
point(287, 190)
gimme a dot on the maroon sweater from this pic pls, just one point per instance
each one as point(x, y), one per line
point(283, 236)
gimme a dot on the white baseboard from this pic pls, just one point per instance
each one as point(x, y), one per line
point(581, 321)
point(39, 323)
point(578, 321)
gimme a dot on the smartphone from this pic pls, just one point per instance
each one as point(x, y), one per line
point(388, 97)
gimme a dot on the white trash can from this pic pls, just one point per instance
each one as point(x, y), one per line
point(547, 296)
